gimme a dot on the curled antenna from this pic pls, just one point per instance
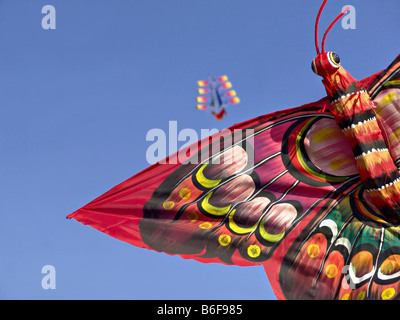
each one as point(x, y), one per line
point(331, 25)
point(328, 29)
point(316, 26)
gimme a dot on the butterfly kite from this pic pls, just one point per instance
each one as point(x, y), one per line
point(311, 193)
point(216, 95)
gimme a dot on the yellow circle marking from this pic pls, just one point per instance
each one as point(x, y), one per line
point(339, 162)
point(313, 250)
point(224, 240)
point(204, 181)
point(168, 205)
point(192, 216)
point(253, 251)
point(268, 236)
point(325, 134)
point(331, 271)
point(184, 193)
point(387, 99)
point(388, 293)
point(205, 225)
point(217, 211)
point(346, 296)
point(361, 295)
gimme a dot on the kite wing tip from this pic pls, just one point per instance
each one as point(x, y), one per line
point(70, 216)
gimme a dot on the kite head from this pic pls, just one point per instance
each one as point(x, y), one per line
point(327, 64)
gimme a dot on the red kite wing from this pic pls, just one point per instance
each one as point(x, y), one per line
point(281, 190)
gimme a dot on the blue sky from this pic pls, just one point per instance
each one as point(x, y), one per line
point(77, 102)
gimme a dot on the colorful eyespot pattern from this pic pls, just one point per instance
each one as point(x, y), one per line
point(302, 192)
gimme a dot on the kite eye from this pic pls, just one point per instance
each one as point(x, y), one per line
point(334, 59)
point(313, 68)
point(326, 63)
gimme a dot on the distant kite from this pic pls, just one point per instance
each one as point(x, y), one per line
point(311, 193)
point(216, 95)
